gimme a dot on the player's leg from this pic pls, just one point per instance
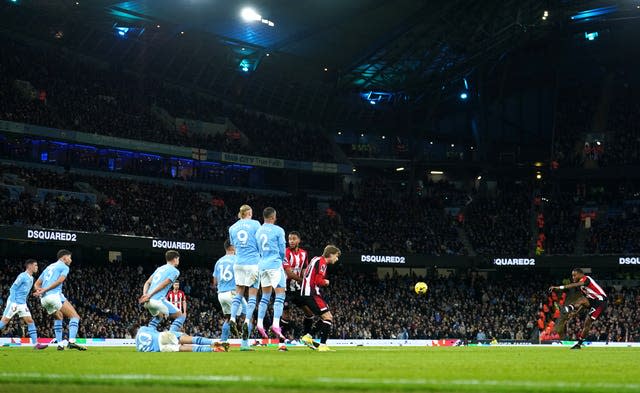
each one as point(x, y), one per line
point(311, 305)
point(326, 322)
point(4, 322)
point(239, 272)
point(262, 309)
point(176, 315)
point(226, 299)
point(57, 329)
point(596, 310)
point(253, 285)
point(33, 332)
point(280, 280)
point(74, 323)
point(581, 301)
point(52, 304)
point(238, 302)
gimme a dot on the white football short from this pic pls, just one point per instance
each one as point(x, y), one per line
point(226, 300)
point(169, 342)
point(52, 303)
point(273, 278)
point(246, 275)
point(163, 306)
point(14, 308)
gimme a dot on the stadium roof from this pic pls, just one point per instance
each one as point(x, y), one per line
point(376, 44)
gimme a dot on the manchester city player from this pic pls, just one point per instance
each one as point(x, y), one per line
point(49, 288)
point(154, 293)
point(272, 247)
point(242, 235)
point(148, 339)
point(17, 302)
point(224, 281)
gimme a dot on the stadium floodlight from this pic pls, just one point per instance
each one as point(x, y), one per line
point(372, 102)
point(250, 15)
point(400, 169)
point(479, 177)
point(437, 172)
point(464, 95)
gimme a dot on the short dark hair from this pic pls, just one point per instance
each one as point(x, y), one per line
point(29, 261)
point(268, 212)
point(62, 253)
point(578, 270)
point(227, 244)
point(171, 255)
point(295, 233)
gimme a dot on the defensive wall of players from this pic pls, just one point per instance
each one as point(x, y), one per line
point(98, 245)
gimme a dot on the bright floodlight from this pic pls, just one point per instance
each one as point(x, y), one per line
point(249, 14)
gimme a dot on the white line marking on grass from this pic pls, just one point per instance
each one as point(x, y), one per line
point(43, 377)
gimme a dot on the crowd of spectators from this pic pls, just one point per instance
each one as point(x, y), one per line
point(362, 223)
point(95, 98)
point(558, 221)
point(500, 225)
point(383, 223)
point(577, 141)
point(468, 306)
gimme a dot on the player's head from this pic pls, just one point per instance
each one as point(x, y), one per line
point(577, 274)
point(229, 248)
point(176, 285)
point(172, 257)
point(294, 239)
point(64, 256)
point(331, 254)
point(245, 212)
point(269, 215)
point(31, 265)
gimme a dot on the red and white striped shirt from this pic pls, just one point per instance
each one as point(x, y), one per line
point(314, 276)
point(591, 289)
point(296, 261)
point(176, 298)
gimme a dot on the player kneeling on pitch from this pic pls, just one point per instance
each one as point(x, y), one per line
point(148, 339)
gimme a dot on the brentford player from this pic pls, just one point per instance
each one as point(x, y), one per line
point(178, 298)
point(294, 263)
point(594, 298)
point(313, 279)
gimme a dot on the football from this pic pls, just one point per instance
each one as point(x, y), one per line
point(421, 288)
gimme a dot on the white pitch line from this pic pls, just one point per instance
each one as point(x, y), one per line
point(343, 381)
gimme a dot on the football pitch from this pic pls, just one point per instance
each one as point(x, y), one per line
point(433, 369)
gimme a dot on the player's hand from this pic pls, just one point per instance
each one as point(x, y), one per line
point(551, 289)
point(326, 282)
point(143, 299)
point(38, 292)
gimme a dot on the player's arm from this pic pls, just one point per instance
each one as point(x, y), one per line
point(214, 283)
point(320, 278)
point(147, 283)
point(41, 290)
point(569, 286)
point(290, 273)
point(184, 304)
point(147, 295)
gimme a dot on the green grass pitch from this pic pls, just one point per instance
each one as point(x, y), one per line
point(432, 369)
